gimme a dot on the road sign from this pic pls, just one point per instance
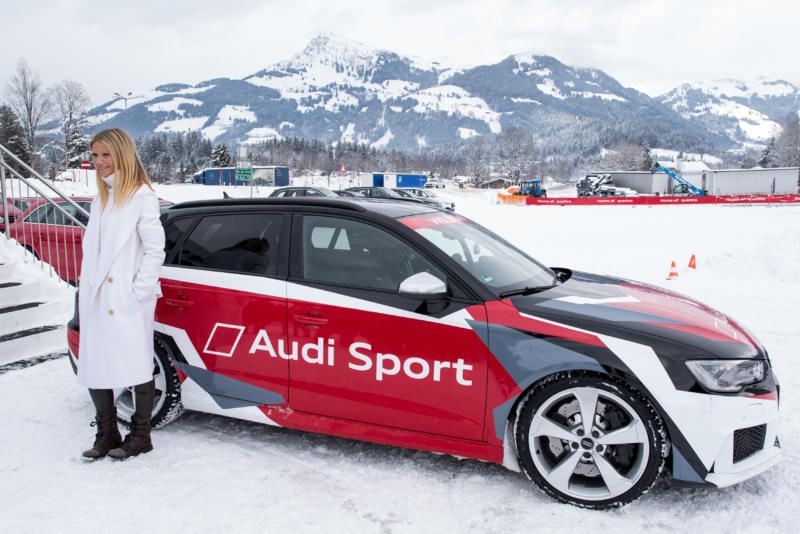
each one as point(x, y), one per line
point(341, 170)
point(85, 165)
point(243, 174)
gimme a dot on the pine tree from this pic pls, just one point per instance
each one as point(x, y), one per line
point(748, 162)
point(647, 160)
point(76, 144)
point(788, 143)
point(221, 156)
point(12, 136)
point(768, 155)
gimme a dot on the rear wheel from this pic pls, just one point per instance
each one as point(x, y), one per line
point(167, 402)
point(590, 441)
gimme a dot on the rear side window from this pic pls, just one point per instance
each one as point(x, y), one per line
point(57, 216)
point(242, 243)
point(173, 233)
point(40, 215)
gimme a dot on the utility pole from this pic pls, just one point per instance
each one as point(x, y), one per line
point(126, 98)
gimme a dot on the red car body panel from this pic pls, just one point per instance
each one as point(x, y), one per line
point(217, 336)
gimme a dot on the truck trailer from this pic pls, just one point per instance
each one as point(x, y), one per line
point(778, 181)
point(261, 175)
point(374, 179)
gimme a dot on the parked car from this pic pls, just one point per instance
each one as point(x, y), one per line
point(428, 197)
point(434, 182)
point(13, 211)
point(286, 192)
point(398, 324)
point(52, 236)
point(387, 193)
point(344, 193)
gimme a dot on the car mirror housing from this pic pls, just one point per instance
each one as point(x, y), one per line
point(423, 284)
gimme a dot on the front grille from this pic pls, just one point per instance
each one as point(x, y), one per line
point(748, 441)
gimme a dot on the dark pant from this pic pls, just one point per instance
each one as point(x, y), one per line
point(143, 396)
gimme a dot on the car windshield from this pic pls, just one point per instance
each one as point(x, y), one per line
point(490, 259)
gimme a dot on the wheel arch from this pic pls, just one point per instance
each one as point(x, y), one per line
point(505, 415)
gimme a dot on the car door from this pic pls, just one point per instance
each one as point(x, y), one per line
point(362, 351)
point(32, 232)
point(224, 293)
point(65, 239)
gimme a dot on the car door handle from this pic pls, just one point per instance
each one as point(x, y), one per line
point(310, 320)
point(180, 303)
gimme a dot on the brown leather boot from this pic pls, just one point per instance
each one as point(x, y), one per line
point(107, 436)
point(136, 442)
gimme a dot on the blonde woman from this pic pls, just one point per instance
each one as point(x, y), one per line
point(123, 250)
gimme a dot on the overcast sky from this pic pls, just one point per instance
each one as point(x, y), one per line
point(650, 45)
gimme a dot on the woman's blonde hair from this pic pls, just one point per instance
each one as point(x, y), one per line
point(128, 169)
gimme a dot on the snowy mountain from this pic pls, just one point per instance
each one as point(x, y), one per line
point(339, 90)
point(745, 112)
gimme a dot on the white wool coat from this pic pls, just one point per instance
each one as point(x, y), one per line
point(118, 291)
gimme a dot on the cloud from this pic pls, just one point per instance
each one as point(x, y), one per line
point(650, 45)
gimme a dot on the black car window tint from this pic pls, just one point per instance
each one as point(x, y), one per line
point(280, 194)
point(243, 243)
point(347, 252)
point(313, 193)
point(173, 233)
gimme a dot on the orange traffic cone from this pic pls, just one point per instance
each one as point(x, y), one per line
point(673, 272)
point(692, 263)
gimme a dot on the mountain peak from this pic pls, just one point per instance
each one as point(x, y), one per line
point(330, 49)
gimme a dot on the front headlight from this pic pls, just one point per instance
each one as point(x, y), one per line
point(726, 376)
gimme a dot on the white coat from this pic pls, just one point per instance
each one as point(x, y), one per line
point(118, 291)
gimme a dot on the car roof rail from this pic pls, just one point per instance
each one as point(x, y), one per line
point(341, 203)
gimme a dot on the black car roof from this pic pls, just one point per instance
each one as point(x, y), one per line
point(386, 207)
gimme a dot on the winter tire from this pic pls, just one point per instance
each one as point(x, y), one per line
point(167, 403)
point(589, 441)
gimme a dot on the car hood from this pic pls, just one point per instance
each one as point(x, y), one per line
point(641, 313)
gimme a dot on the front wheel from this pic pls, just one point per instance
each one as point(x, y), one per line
point(590, 441)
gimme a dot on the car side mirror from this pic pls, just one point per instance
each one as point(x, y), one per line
point(423, 284)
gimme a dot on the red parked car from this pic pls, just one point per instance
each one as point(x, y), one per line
point(14, 213)
point(52, 236)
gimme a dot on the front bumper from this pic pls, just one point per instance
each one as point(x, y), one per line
point(735, 437)
point(745, 453)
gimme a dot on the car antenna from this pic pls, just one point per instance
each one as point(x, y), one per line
point(225, 194)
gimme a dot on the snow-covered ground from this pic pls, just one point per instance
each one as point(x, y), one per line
point(209, 473)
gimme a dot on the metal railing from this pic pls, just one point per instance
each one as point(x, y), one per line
point(41, 218)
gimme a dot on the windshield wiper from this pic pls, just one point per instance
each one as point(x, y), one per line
point(528, 290)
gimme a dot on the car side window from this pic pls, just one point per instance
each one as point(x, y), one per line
point(243, 243)
point(87, 206)
point(40, 215)
point(59, 217)
point(343, 251)
point(173, 233)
